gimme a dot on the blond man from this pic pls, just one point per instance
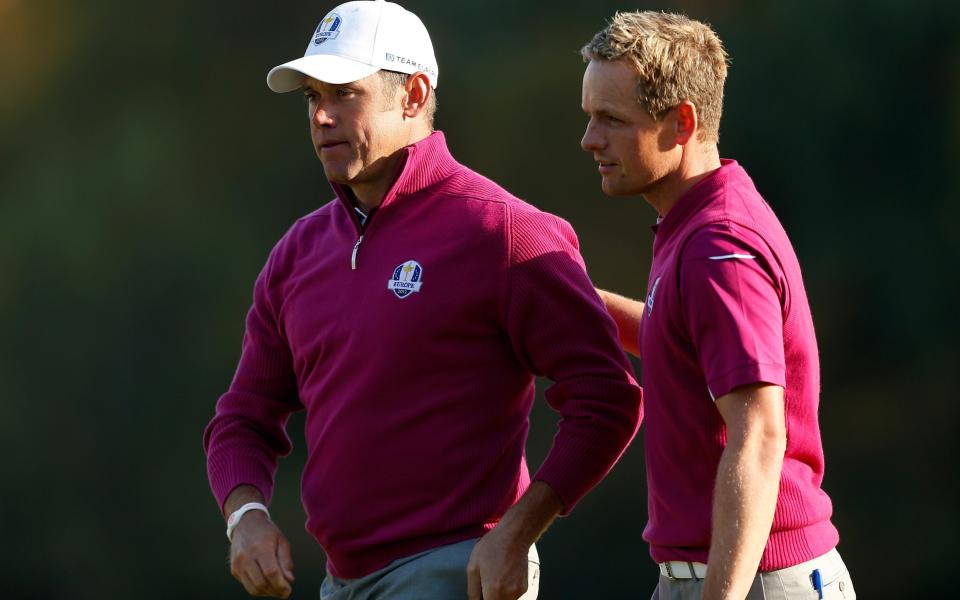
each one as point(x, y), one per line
point(725, 336)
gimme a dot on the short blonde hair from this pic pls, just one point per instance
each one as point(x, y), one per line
point(676, 59)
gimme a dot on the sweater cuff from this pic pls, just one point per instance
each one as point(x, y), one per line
point(228, 471)
point(592, 435)
point(572, 469)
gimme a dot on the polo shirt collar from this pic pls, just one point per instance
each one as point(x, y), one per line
point(693, 201)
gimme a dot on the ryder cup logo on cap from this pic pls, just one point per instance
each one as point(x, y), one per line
point(357, 39)
point(406, 279)
point(327, 29)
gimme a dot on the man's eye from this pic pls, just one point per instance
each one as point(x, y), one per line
point(342, 92)
point(614, 120)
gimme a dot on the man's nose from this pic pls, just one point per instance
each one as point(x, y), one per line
point(591, 141)
point(321, 117)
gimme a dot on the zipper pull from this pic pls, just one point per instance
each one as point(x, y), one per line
point(353, 257)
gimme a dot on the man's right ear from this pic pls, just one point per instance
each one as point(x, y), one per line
point(687, 123)
point(417, 92)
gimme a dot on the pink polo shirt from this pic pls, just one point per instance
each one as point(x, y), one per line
point(726, 307)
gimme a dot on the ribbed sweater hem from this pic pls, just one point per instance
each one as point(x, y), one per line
point(784, 548)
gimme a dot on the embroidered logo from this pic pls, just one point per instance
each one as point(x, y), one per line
point(328, 29)
point(406, 279)
point(650, 296)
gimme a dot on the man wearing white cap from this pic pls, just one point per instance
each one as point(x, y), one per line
point(408, 318)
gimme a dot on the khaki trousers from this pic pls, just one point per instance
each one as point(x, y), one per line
point(792, 583)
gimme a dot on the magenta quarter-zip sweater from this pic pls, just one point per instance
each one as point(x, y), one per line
point(413, 349)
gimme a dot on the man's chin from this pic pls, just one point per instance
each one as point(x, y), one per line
point(335, 175)
point(614, 191)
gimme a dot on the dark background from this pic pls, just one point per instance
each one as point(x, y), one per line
point(146, 171)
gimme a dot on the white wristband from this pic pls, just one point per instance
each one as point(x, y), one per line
point(235, 516)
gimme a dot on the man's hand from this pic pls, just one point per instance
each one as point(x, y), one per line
point(498, 565)
point(260, 556)
point(498, 568)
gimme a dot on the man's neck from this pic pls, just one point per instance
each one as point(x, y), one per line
point(370, 194)
point(697, 162)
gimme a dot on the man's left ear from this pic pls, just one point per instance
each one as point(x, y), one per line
point(418, 92)
point(687, 122)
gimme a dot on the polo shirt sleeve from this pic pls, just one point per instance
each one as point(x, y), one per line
point(731, 289)
point(559, 328)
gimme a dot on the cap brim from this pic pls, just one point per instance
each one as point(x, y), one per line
point(323, 67)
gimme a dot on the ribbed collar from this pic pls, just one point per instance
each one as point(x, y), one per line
point(424, 164)
point(695, 200)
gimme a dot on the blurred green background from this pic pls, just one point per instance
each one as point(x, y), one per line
point(146, 171)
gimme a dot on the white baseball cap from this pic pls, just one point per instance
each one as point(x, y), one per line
point(357, 39)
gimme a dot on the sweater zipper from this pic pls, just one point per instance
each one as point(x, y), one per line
point(363, 231)
point(353, 257)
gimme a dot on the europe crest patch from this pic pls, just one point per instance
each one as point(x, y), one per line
point(407, 278)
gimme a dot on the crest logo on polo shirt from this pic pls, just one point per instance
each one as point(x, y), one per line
point(328, 29)
point(650, 296)
point(406, 279)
